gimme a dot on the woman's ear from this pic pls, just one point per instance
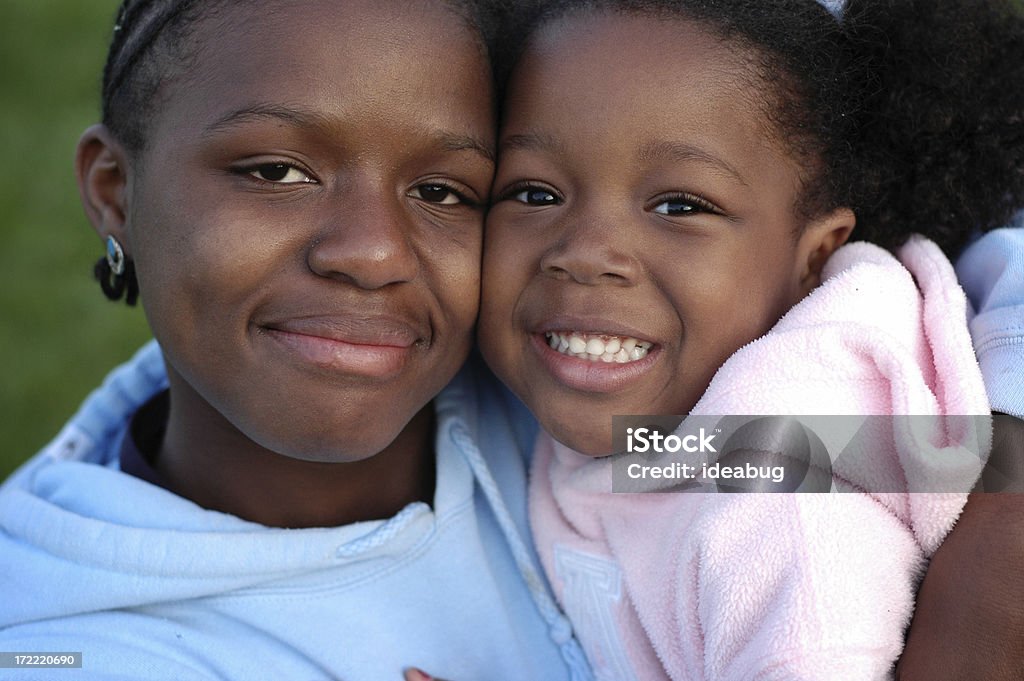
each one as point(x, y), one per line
point(101, 166)
point(820, 239)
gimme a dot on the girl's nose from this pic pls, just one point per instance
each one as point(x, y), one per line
point(592, 254)
point(366, 242)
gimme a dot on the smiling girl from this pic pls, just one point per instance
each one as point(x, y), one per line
point(296, 193)
point(674, 178)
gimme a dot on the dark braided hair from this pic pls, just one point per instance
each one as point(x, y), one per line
point(153, 44)
point(910, 112)
point(148, 42)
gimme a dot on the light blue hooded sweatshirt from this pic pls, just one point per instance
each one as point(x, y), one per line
point(148, 585)
point(991, 271)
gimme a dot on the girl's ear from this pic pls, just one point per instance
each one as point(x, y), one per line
point(820, 239)
point(101, 166)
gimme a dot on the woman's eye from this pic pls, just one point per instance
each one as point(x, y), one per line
point(682, 206)
point(279, 173)
point(436, 193)
point(536, 197)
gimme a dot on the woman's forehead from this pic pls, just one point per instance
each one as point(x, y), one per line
point(324, 64)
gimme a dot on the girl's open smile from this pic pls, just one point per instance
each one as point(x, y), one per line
point(598, 347)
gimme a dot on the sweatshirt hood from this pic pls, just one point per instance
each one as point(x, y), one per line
point(78, 535)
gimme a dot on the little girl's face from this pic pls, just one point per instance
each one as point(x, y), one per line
point(306, 219)
point(643, 227)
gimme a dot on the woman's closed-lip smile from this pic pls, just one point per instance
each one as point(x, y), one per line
point(376, 347)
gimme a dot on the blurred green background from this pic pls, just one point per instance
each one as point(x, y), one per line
point(58, 336)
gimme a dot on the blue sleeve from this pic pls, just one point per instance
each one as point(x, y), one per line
point(991, 271)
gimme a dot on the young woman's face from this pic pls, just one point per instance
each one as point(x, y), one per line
point(306, 220)
point(642, 217)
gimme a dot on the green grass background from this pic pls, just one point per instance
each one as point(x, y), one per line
point(58, 335)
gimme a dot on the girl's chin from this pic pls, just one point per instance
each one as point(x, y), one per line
point(593, 443)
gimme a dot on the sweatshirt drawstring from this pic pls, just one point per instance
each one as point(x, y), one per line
point(558, 625)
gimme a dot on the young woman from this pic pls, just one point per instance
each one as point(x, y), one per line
point(297, 194)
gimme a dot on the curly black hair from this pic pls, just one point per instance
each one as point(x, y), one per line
point(154, 43)
point(941, 140)
point(910, 112)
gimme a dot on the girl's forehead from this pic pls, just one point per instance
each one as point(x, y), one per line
point(640, 73)
point(631, 34)
point(602, 55)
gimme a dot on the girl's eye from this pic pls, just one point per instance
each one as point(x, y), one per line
point(436, 193)
point(536, 197)
point(683, 205)
point(279, 173)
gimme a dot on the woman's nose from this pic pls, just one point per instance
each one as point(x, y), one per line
point(367, 242)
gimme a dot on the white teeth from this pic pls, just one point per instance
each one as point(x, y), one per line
point(598, 348)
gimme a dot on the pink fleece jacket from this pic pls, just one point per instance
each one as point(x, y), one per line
point(782, 586)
